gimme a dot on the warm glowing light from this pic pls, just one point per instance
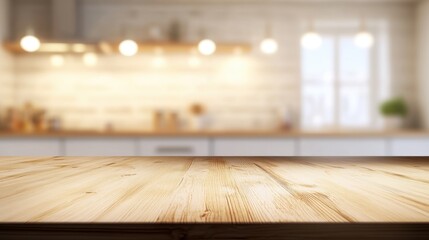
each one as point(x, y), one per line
point(159, 61)
point(128, 48)
point(269, 46)
point(364, 39)
point(194, 61)
point(207, 47)
point(78, 47)
point(234, 69)
point(57, 60)
point(238, 51)
point(237, 62)
point(55, 47)
point(159, 51)
point(105, 47)
point(311, 40)
point(30, 43)
point(90, 59)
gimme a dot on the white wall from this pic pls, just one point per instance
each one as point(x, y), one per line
point(244, 95)
point(6, 60)
point(423, 60)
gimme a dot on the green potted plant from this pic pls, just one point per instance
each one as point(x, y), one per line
point(394, 111)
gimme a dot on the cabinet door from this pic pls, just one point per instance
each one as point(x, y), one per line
point(164, 146)
point(254, 147)
point(343, 147)
point(410, 146)
point(100, 147)
point(30, 147)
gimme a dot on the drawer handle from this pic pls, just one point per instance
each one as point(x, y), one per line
point(174, 149)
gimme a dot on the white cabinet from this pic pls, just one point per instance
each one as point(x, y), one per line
point(330, 146)
point(164, 146)
point(30, 147)
point(100, 147)
point(215, 146)
point(254, 147)
point(409, 146)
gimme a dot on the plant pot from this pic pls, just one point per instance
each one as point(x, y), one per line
point(393, 122)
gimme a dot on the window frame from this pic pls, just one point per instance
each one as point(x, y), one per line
point(372, 84)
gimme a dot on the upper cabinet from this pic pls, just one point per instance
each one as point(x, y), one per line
point(61, 27)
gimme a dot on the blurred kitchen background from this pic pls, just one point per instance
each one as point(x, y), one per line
point(214, 77)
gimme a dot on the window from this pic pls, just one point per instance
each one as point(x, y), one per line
point(336, 85)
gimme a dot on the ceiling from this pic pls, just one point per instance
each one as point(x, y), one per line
point(321, 1)
point(270, 1)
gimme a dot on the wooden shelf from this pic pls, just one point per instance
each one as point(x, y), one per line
point(53, 47)
point(224, 133)
point(112, 48)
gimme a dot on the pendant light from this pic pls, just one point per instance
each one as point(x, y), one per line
point(364, 38)
point(269, 45)
point(311, 39)
point(29, 42)
point(206, 46)
point(128, 48)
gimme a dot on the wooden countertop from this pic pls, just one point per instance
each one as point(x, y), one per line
point(227, 190)
point(220, 133)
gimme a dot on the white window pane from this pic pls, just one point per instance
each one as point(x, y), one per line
point(354, 62)
point(337, 67)
point(318, 64)
point(317, 105)
point(354, 106)
point(317, 71)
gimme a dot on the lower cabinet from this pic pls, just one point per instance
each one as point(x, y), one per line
point(215, 146)
point(254, 147)
point(174, 147)
point(100, 147)
point(343, 147)
point(30, 147)
point(409, 146)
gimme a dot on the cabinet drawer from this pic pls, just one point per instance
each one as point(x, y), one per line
point(30, 147)
point(343, 147)
point(410, 147)
point(254, 147)
point(100, 147)
point(174, 147)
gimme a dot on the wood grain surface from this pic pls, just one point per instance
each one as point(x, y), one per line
point(213, 190)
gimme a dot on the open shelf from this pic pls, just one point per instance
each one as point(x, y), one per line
point(112, 47)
